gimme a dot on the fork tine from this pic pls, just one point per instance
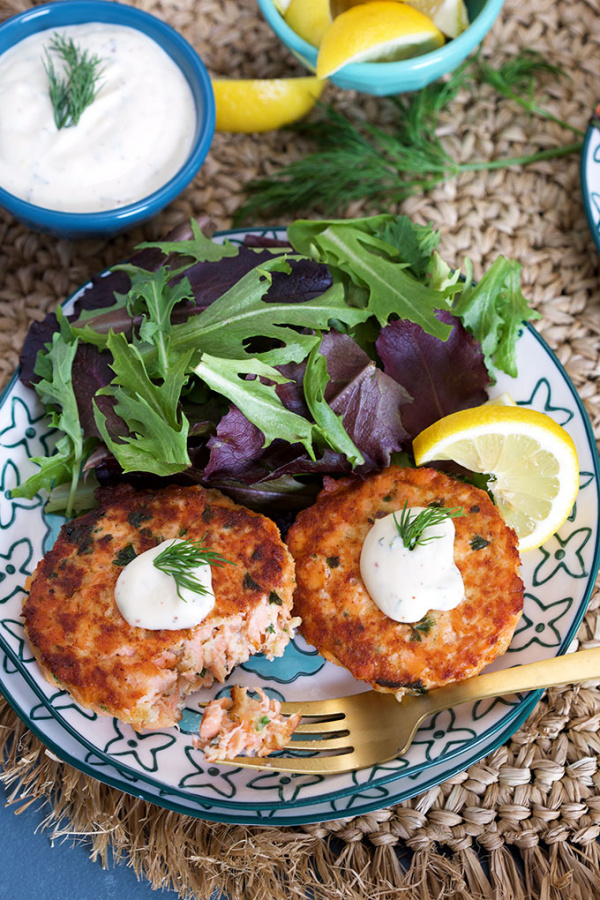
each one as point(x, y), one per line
point(335, 727)
point(318, 765)
point(321, 708)
point(326, 744)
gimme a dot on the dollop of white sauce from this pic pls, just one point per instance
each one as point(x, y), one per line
point(148, 598)
point(406, 584)
point(129, 142)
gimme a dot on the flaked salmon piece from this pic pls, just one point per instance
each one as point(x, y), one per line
point(241, 724)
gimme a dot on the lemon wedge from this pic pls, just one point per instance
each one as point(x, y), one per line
point(450, 16)
point(380, 31)
point(310, 19)
point(532, 460)
point(263, 104)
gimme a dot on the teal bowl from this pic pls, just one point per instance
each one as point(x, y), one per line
point(385, 78)
point(104, 224)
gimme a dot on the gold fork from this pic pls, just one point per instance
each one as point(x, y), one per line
point(373, 728)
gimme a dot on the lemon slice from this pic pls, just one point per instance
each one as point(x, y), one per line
point(380, 31)
point(310, 19)
point(533, 462)
point(501, 400)
point(263, 104)
point(450, 16)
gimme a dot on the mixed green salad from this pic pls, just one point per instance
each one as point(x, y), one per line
point(260, 367)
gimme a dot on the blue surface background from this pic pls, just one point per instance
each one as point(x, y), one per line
point(33, 867)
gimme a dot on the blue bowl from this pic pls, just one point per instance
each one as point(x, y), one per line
point(75, 12)
point(383, 79)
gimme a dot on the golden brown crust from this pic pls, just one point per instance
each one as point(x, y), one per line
point(81, 639)
point(341, 620)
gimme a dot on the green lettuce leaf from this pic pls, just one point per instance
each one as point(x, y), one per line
point(224, 328)
point(328, 425)
point(158, 430)
point(153, 298)
point(493, 310)
point(55, 390)
point(257, 401)
point(199, 248)
point(354, 251)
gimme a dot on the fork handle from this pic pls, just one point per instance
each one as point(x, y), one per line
point(572, 668)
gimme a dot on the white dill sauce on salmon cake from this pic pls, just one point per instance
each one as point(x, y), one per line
point(141, 675)
point(345, 624)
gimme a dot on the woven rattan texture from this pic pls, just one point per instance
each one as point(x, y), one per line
point(525, 821)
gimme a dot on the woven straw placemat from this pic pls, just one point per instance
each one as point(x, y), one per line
point(525, 821)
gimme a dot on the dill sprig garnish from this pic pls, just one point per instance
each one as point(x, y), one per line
point(355, 160)
point(180, 559)
point(76, 89)
point(411, 528)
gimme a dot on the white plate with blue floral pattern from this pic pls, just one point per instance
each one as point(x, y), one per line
point(164, 768)
point(590, 176)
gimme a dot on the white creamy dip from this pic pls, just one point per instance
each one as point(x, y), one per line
point(406, 584)
point(147, 597)
point(131, 140)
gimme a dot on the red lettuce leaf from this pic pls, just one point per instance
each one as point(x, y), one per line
point(368, 400)
point(91, 371)
point(441, 376)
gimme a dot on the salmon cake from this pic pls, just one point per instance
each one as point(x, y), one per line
point(141, 676)
point(341, 620)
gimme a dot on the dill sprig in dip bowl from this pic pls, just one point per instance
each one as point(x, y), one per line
point(108, 114)
point(443, 52)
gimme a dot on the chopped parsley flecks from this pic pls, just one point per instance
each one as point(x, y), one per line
point(423, 626)
point(250, 584)
point(262, 723)
point(138, 516)
point(275, 598)
point(478, 543)
point(333, 562)
point(124, 556)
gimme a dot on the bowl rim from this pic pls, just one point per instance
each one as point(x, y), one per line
point(468, 39)
point(117, 13)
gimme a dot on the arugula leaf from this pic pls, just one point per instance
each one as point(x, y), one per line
point(242, 313)
point(493, 310)
point(257, 401)
point(55, 390)
point(199, 247)
point(328, 425)
point(353, 248)
point(158, 431)
point(153, 298)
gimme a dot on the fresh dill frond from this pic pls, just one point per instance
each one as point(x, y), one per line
point(356, 160)
point(76, 89)
point(411, 528)
point(516, 81)
point(180, 559)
